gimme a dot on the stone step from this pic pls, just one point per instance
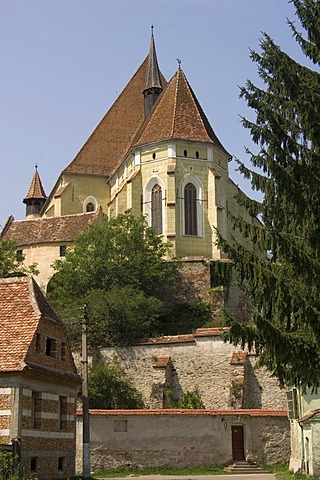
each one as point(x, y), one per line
point(244, 467)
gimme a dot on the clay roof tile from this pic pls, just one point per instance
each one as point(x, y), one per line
point(177, 114)
point(22, 304)
point(36, 189)
point(51, 229)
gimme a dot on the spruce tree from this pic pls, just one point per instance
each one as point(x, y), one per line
point(280, 270)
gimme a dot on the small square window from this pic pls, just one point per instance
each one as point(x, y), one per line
point(61, 464)
point(19, 255)
point(33, 464)
point(51, 347)
point(63, 249)
point(120, 426)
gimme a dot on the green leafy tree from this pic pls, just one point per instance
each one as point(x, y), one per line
point(283, 284)
point(191, 399)
point(117, 269)
point(11, 263)
point(110, 388)
point(121, 315)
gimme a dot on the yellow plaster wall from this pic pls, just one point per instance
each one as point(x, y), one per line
point(192, 148)
point(44, 255)
point(81, 187)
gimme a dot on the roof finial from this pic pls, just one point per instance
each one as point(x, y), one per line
point(152, 27)
point(179, 62)
point(36, 167)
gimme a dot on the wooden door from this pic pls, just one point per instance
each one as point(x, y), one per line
point(237, 443)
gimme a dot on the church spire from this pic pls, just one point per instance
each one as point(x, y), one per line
point(36, 197)
point(153, 86)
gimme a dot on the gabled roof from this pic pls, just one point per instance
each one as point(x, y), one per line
point(106, 147)
point(48, 229)
point(177, 115)
point(22, 304)
point(36, 190)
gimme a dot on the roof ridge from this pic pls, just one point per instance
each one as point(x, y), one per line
point(196, 103)
point(110, 109)
point(175, 101)
point(58, 217)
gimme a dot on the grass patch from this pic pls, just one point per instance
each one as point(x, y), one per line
point(282, 472)
point(137, 472)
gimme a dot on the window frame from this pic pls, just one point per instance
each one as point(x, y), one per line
point(191, 178)
point(87, 201)
point(147, 201)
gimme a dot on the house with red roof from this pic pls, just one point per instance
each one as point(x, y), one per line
point(38, 382)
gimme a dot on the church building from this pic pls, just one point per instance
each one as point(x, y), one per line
point(153, 153)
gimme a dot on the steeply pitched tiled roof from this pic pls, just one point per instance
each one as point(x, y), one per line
point(110, 141)
point(52, 229)
point(153, 77)
point(22, 304)
point(36, 189)
point(177, 115)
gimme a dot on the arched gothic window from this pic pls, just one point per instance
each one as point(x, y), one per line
point(190, 209)
point(90, 207)
point(156, 208)
point(90, 204)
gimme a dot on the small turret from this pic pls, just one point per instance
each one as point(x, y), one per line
point(153, 86)
point(36, 197)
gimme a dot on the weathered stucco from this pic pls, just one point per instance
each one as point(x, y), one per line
point(182, 438)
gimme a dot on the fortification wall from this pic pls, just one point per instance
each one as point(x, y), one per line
point(224, 375)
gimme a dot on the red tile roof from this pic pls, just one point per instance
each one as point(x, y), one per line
point(188, 412)
point(310, 414)
point(177, 114)
point(48, 230)
point(36, 189)
point(162, 361)
point(22, 304)
point(107, 146)
point(187, 337)
point(239, 358)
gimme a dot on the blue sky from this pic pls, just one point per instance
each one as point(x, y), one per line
point(63, 63)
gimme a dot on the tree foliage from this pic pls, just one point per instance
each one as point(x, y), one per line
point(191, 399)
point(117, 269)
point(11, 264)
point(110, 388)
point(283, 284)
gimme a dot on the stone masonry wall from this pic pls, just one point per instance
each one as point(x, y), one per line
point(202, 361)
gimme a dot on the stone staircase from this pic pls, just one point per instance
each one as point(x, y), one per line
point(241, 468)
